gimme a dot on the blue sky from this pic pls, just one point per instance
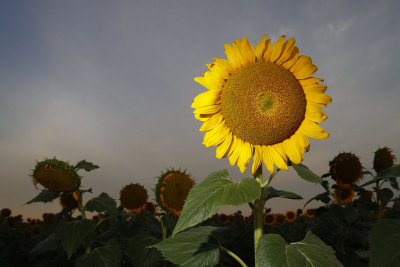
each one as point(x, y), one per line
point(112, 83)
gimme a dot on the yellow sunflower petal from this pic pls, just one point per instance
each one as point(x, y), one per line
point(246, 51)
point(280, 157)
point(216, 135)
point(233, 158)
point(267, 158)
point(245, 156)
point(310, 81)
point(224, 64)
point(292, 58)
point(211, 123)
point(315, 114)
point(211, 109)
point(207, 98)
point(287, 49)
point(314, 88)
point(267, 50)
point(292, 150)
point(313, 130)
point(260, 48)
point(257, 159)
point(277, 48)
point(302, 140)
point(203, 117)
point(211, 81)
point(233, 55)
point(318, 98)
point(306, 72)
point(223, 149)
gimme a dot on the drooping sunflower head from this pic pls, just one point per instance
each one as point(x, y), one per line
point(280, 218)
point(344, 193)
point(346, 168)
point(261, 100)
point(310, 213)
point(383, 159)
point(133, 197)
point(56, 175)
point(172, 190)
point(291, 216)
point(70, 201)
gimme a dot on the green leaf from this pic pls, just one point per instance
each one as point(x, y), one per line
point(73, 233)
point(102, 203)
point(191, 248)
point(106, 256)
point(48, 244)
point(273, 250)
point(385, 195)
point(140, 254)
point(87, 166)
point(44, 196)
point(217, 190)
point(385, 174)
point(384, 240)
point(324, 197)
point(270, 192)
point(307, 174)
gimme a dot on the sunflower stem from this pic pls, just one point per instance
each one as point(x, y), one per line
point(233, 255)
point(258, 212)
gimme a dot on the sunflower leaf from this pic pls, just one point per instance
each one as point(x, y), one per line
point(44, 196)
point(105, 256)
point(73, 233)
point(324, 197)
point(191, 248)
point(217, 190)
point(384, 240)
point(87, 166)
point(389, 173)
point(103, 203)
point(141, 254)
point(307, 174)
point(273, 250)
point(270, 192)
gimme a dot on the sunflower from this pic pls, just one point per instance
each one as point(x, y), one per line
point(262, 101)
point(383, 159)
point(344, 193)
point(6, 212)
point(310, 213)
point(56, 175)
point(346, 168)
point(269, 218)
point(172, 190)
point(70, 201)
point(291, 216)
point(134, 198)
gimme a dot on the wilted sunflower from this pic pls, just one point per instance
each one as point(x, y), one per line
point(291, 216)
point(172, 190)
point(56, 175)
point(383, 159)
point(133, 198)
point(261, 100)
point(345, 192)
point(70, 201)
point(346, 168)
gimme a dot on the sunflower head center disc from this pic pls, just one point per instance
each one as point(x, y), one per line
point(263, 103)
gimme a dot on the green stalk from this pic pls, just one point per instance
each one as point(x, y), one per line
point(258, 213)
point(233, 255)
point(83, 215)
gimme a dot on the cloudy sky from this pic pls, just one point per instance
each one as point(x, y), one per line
point(112, 82)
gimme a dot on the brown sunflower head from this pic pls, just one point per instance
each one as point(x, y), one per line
point(172, 190)
point(383, 159)
point(134, 198)
point(6, 212)
point(310, 213)
point(346, 168)
point(70, 201)
point(280, 218)
point(291, 216)
point(269, 219)
point(344, 193)
point(56, 175)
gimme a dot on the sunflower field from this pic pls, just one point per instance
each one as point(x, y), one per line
point(262, 105)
